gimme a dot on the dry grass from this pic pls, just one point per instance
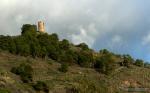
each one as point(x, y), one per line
point(85, 80)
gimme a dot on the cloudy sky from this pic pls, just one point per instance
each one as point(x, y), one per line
point(122, 26)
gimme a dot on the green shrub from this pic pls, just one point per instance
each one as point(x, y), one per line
point(25, 72)
point(85, 59)
point(64, 68)
point(104, 51)
point(70, 57)
point(139, 63)
point(147, 65)
point(127, 61)
point(105, 64)
point(4, 91)
point(41, 86)
point(64, 44)
point(83, 46)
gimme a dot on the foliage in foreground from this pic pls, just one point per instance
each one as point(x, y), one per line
point(4, 91)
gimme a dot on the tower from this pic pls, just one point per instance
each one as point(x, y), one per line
point(41, 27)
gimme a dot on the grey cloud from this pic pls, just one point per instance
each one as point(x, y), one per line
point(99, 23)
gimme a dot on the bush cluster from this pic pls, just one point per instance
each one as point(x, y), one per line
point(105, 64)
point(24, 71)
point(139, 63)
point(64, 68)
point(41, 86)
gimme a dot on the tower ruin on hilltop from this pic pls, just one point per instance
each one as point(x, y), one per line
point(41, 26)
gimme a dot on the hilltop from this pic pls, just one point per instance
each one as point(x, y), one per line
point(36, 62)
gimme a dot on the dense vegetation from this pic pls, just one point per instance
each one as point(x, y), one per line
point(32, 43)
point(36, 44)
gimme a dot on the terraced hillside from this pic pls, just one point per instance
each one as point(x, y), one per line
point(76, 80)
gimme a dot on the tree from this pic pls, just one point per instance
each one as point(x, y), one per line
point(43, 52)
point(64, 68)
point(147, 65)
point(69, 57)
point(83, 46)
point(22, 46)
point(5, 42)
point(43, 40)
point(64, 44)
point(12, 46)
point(105, 64)
point(85, 59)
point(41, 86)
point(127, 60)
point(53, 52)
point(35, 49)
point(25, 72)
point(139, 63)
point(28, 29)
point(104, 51)
point(100, 65)
point(54, 37)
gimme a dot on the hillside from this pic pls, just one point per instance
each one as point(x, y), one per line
point(37, 62)
point(77, 79)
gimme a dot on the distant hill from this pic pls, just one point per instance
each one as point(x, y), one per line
point(36, 62)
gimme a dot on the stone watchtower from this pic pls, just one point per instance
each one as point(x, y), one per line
point(41, 27)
